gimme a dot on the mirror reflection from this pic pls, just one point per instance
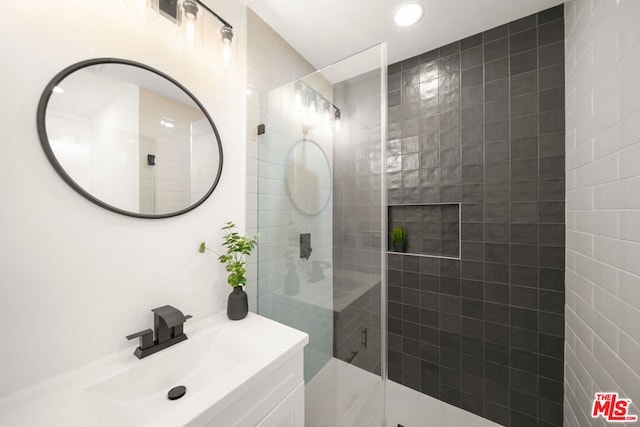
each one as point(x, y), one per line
point(130, 139)
point(309, 177)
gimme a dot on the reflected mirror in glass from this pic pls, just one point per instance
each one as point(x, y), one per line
point(309, 177)
point(130, 138)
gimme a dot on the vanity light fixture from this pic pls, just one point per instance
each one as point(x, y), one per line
point(408, 14)
point(192, 26)
point(186, 15)
point(308, 100)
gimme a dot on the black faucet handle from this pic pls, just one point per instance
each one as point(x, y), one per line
point(146, 338)
point(168, 330)
point(170, 315)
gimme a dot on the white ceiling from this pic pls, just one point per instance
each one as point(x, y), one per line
point(326, 31)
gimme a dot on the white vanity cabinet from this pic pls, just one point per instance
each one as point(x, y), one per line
point(237, 374)
point(273, 399)
point(289, 412)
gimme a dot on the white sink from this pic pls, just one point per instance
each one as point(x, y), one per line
point(139, 394)
point(218, 364)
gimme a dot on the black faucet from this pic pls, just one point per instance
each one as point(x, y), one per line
point(168, 323)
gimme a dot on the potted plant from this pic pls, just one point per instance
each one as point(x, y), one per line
point(399, 238)
point(238, 247)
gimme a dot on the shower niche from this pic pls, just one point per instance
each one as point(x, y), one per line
point(432, 229)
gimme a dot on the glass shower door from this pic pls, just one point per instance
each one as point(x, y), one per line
point(322, 255)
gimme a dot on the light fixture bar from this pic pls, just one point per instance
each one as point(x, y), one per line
point(169, 9)
point(218, 17)
point(307, 88)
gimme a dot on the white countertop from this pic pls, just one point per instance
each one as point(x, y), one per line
point(65, 400)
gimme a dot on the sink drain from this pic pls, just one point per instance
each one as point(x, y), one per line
point(177, 392)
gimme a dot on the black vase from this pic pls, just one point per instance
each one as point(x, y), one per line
point(400, 246)
point(237, 304)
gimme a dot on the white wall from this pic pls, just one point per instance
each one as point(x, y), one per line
point(76, 278)
point(602, 348)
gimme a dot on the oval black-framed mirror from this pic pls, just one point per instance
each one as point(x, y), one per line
point(129, 138)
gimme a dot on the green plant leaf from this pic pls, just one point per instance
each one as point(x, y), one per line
point(399, 234)
point(237, 247)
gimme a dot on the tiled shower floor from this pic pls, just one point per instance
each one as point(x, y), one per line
point(342, 395)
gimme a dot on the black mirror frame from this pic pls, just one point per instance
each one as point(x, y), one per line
point(44, 139)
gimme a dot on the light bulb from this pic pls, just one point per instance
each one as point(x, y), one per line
point(190, 9)
point(227, 37)
point(190, 33)
point(313, 110)
point(336, 123)
point(226, 54)
point(326, 117)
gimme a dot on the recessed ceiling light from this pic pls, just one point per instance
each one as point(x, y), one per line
point(408, 14)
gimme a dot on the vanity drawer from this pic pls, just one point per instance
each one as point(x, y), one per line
point(258, 398)
point(289, 413)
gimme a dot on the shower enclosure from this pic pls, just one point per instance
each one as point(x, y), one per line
point(322, 224)
point(469, 322)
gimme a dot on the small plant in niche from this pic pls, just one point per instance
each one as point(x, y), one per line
point(399, 237)
point(238, 248)
point(399, 234)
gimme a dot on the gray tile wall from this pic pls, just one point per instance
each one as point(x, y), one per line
point(481, 122)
